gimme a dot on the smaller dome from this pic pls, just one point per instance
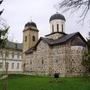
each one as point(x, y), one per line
point(32, 24)
point(57, 16)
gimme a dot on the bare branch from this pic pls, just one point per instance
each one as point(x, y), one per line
point(76, 5)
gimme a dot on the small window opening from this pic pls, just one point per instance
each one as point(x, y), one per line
point(33, 38)
point(57, 27)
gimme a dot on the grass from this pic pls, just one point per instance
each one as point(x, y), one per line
point(22, 82)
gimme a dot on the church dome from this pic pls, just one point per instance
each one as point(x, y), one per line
point(57, 16)
point(32, 24)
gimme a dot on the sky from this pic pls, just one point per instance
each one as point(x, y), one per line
point(18, 12)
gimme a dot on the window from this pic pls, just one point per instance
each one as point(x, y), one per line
point(62, 27)
point(7, 53)
point(1, 53)
point(42, 61)
point(56, 61)
point(6, 65)
point(33, 38)
point(17, 65)
point(30, 62)
point(57, 27)
point(12, 54)
point(18, 55)
point(25, 38)
point(52, 28)
point(1, 65)
point(12, 65)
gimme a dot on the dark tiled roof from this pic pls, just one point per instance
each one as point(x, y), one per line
point(13, 45)
point(58, 41)
point(30, 24)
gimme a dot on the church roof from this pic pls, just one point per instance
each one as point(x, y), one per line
point(13, 45)
point(31, 24)
point(57, 16)
point(58, 41)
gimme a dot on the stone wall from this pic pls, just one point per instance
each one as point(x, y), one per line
point(64, 59)
point(38, 61)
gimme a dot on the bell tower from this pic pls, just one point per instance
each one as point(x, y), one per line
point(30, 35)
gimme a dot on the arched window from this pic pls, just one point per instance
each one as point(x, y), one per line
point(52, 28)
point(57, 27)
point(42, 61)
point(33, 38)
point(62, 27)
point(25, 38)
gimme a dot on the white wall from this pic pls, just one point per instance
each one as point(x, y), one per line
point(55, 22)
point(12, 60)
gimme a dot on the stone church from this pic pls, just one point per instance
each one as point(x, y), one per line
point(57, 52)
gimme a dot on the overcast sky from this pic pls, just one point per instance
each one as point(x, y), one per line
point(19, 12)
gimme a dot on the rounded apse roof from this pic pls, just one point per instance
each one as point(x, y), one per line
point(32, 24)
point(57, 16)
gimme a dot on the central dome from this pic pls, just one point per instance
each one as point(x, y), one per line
point(32, 24)
point(57, 16)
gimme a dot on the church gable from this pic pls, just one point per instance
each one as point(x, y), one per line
point(41, 45)
point(78, 40)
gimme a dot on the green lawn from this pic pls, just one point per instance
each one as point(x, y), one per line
point(21, 82)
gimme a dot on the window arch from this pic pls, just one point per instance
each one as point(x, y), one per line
point(33, 38)
point(25, 38)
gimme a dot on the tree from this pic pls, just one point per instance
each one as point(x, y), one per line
point(86, 57)
point(76, 5)
point(86, 62)
point(3, 41)
point(1, 10)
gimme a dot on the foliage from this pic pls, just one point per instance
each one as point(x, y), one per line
point(76, 5)
point(88, 46)
point(86, 61)
point(86, 58)
point(3, 37)
point(3, 32)
point(22, 82)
